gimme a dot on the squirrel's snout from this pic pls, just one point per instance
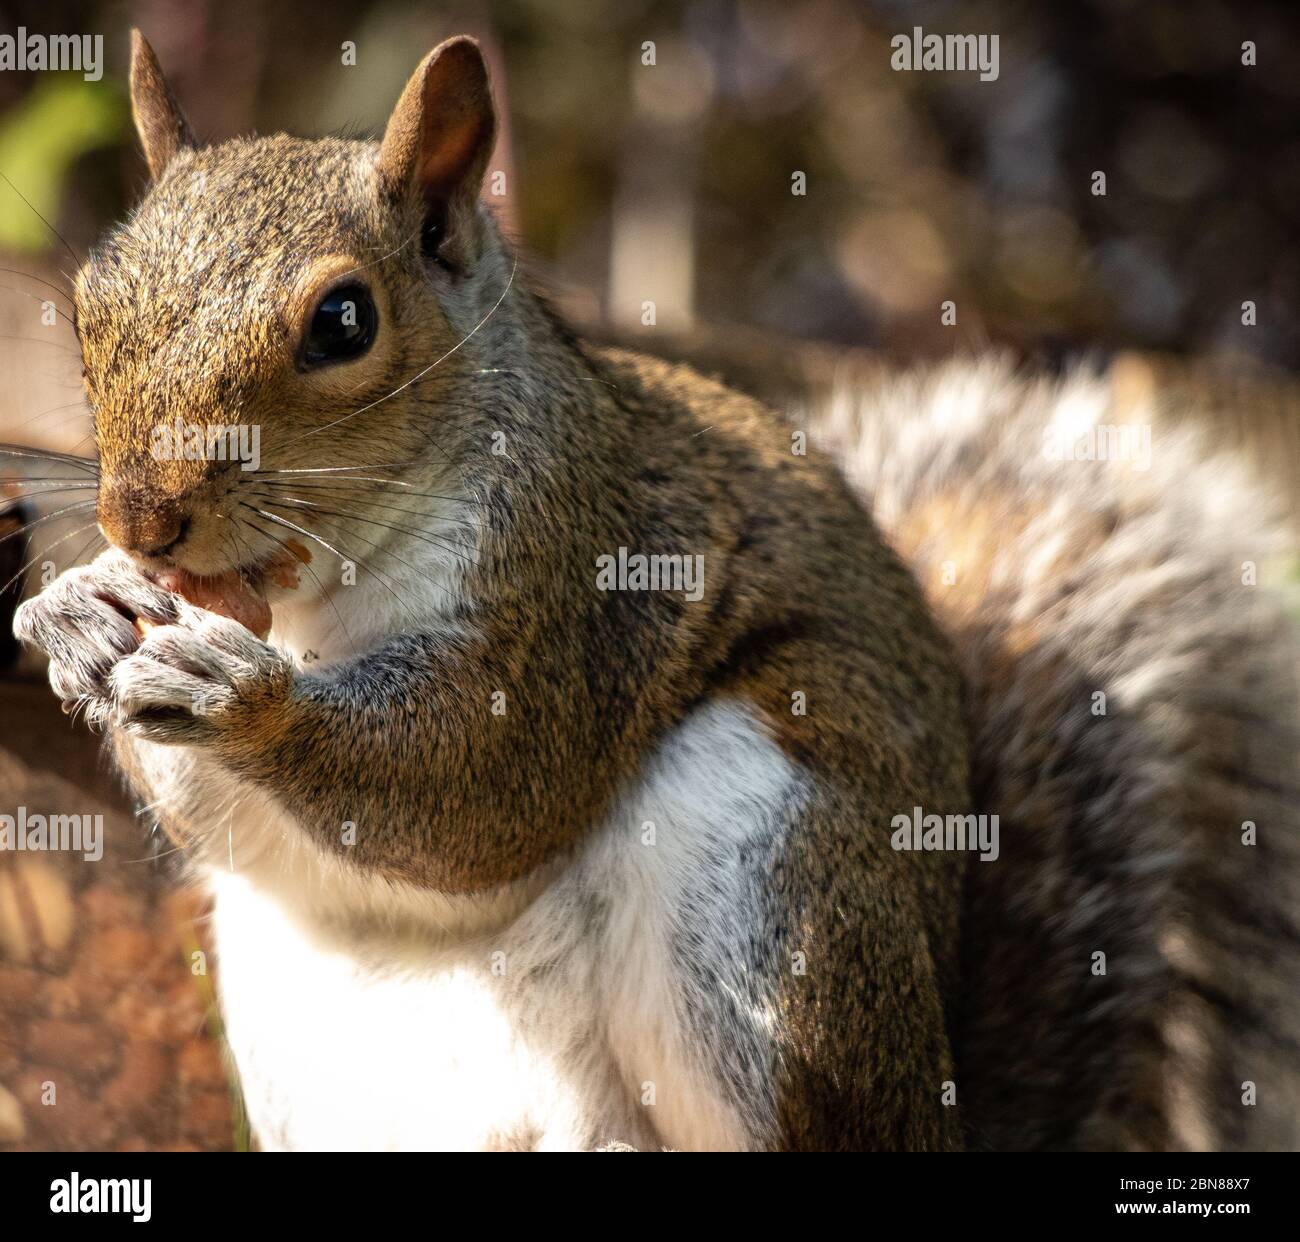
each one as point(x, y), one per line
point(137, 522)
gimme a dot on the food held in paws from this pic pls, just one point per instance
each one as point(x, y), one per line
point(232, 594)
point(226, 594)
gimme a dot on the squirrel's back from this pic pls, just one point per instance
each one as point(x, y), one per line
point(1131, 962)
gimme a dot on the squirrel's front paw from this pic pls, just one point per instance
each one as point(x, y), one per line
point(84, 622)
point(201, 677)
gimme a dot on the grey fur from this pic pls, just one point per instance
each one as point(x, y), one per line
point(1120, 834)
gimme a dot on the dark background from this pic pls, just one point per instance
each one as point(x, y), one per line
point(921, 186)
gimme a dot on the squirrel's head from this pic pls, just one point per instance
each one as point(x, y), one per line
point(276, 306)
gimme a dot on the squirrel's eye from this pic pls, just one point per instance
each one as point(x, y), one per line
point(342, 327)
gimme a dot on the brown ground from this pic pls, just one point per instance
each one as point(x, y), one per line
point(106, 1033)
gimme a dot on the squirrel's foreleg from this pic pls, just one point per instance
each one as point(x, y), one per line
point(435, 759)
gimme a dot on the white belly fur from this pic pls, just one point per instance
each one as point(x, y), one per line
point(559, 1022)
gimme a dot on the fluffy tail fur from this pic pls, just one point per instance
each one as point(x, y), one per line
point(1132, 695)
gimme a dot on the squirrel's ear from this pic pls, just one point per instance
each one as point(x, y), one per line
point(162, 126)
point(439, 140)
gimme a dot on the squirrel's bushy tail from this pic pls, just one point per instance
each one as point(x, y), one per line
point(1131, 961)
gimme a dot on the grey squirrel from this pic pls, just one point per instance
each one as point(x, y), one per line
point(547, 721)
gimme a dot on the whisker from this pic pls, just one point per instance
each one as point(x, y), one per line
point(82, 550)
point(43, 491)
point(586, 379)
point(401, 387)
point(36, 298)
point(336, 480)
point(40, 340)
point(344, 498)
point(320, 586)
point(327, 486)
point(48, 517)
point(326, 474)
point(43, 220)
point(23, 480)
point(425, 536)
point(383, 551)
point(382, 257)
point(46, 551)
point(339, 469)
point(54, 410)
point(63, 293)
point(311, 535)
point(71, 459)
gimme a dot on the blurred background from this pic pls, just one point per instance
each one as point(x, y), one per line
point(650, 150)
point(920, 186)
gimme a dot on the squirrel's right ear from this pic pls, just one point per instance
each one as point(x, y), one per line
point(438, 142)
point(162, 126)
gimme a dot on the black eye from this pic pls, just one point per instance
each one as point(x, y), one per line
point(342, 327)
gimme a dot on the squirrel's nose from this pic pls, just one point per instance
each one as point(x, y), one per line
point(136, 522)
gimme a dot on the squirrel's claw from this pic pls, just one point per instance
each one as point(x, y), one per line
point(81, 622)
point(193, 675)
point(192, 679)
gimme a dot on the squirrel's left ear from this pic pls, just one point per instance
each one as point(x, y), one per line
point(159, 121)
point(438, 143)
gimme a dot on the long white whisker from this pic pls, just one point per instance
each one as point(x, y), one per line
point(46, 551)
point(415, 378)
point(338, 469)
point(271, 517)
point(84, 463)
point(48, 517)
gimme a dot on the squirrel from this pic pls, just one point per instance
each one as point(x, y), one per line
point(547, 720)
